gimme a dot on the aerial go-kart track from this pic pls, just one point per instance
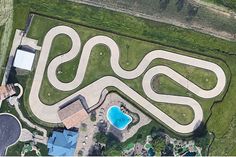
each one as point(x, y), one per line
point(93, 91)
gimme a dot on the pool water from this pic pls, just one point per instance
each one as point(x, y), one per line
point(117, 118)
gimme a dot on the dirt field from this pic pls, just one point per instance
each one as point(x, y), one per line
point(181, 13)
point(5, 10)
point(6, 22)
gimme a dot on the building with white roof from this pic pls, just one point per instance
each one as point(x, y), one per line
point(24, 59)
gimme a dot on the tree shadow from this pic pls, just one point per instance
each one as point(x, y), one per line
point(115, 133)
point(102, 126)
point(164, 4)
point(200, 130)
point(180, 4)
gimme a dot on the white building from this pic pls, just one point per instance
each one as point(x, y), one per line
point(24, 59)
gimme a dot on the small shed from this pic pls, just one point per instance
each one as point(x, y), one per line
point(24, 59)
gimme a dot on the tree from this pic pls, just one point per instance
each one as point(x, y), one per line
point(113, 152)
point(80, 153)
point(158, 145)
point(102, 126)
point(83, 127)
point(93, 116)
point(139, 137)
point(111, 140)
point(108, 139)
point(113, 147)
point(101, 137)
point(154, 132)
point(180, 5)
point(168, 150)
point(163, 4)
point(192, 11)
point(96, 150)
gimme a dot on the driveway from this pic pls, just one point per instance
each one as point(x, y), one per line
point(10, 130)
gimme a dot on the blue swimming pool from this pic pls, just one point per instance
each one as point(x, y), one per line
point(117, 118)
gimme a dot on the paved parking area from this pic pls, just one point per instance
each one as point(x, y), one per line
point(10, 130)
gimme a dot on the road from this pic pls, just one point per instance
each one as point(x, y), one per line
point(93, 91)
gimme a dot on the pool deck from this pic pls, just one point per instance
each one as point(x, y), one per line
point(101, 116)
point(112, 100)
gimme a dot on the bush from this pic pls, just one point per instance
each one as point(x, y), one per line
point(164, 4)
point(159, 145)
point(180, 5)
point(93, 116)
point(192, 12)
point(101, 137)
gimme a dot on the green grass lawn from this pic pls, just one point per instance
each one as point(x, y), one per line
point(226, 139)
point(124, 24)
point(16, 149)
point(1, 34)
point(154, 32)
point(130, 48)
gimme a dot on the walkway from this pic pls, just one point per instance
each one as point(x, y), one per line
point(28, 122)
point(93, 91)
point(18, 40)
point(27, 136)
point(15, 44)
point(21, 90)
point(16, 105)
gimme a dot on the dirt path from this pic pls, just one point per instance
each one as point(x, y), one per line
point(218, 9)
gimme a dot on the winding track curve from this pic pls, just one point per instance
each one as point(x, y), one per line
point(93, 91)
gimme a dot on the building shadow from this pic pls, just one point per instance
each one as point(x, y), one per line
point(26, 48)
